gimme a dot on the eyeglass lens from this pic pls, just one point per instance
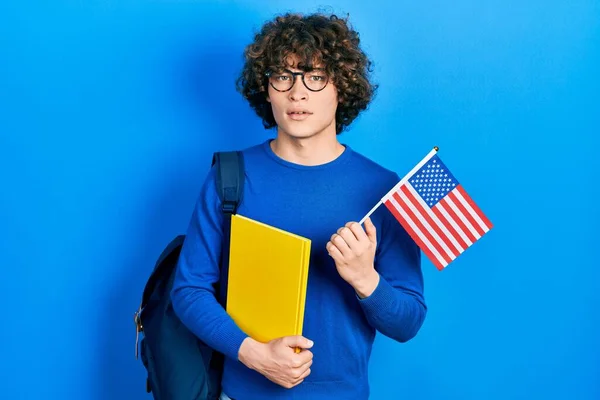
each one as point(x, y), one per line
point(314, 80)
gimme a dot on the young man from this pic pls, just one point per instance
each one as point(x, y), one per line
point(306, 76)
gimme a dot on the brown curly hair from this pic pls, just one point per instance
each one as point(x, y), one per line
point(314, 39)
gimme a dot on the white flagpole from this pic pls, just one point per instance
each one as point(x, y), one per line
point(402, 181)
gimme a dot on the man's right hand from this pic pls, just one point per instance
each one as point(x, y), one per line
point(277, 360)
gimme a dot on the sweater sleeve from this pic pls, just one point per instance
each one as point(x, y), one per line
point(397, 307)
point(193, 293)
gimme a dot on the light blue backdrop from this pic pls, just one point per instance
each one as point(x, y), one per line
point(110, 110)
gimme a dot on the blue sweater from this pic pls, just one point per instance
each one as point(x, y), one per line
point(312, 201)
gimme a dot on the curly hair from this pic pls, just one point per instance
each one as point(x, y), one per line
point(315, 39)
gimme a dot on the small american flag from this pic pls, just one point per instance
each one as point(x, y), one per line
point(436, 211)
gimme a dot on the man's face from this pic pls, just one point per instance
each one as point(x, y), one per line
point(300, 112)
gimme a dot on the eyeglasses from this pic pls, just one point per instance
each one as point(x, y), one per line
point(315, 80)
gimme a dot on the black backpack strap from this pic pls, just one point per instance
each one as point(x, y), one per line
point(230, 187)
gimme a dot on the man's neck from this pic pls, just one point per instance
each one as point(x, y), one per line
point(315, 150)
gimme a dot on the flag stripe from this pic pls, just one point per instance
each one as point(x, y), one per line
point(487, 225)
point(470, 213)
point(471, 223)
point(445, 210)
point(452, 212)
point(433, 220)
point(406, 206)
point(397, 211)
point(454, 229)
point(421, 217)
point(434, 253)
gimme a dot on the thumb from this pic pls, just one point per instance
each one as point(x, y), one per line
point(371, 230)
point(298, 341)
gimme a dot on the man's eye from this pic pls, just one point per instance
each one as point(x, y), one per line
point(282, 77)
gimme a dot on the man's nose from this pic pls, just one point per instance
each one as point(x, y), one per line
point(298, 90)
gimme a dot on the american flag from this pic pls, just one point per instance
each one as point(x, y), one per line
point(437, 212)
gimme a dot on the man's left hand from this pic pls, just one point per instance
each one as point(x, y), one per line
point(353, 250)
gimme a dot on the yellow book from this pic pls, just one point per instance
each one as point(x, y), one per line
point(268, 273)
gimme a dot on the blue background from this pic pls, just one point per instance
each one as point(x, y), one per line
point(110, 111)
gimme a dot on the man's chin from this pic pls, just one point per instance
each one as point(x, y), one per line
point(295, 135)
point(301, 133)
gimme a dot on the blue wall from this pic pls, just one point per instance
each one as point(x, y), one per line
point(110, 110)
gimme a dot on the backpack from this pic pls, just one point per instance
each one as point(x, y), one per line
point(179, 365)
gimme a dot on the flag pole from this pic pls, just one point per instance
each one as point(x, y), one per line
point(402, 181)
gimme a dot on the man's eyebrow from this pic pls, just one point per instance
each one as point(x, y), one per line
point(280, 67)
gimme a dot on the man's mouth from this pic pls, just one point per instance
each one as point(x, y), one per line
point(299, 115)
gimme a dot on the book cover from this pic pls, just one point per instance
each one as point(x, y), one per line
point(268, 273)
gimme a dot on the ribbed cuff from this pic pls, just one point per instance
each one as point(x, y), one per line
point(232, 342)
point(379, 299)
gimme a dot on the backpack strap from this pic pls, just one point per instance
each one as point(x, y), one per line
point(230, 188)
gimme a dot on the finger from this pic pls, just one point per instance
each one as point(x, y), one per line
point(299, 374)
point(349, 237)
point(358, 231)
point(298, 341)
point(305, 357)
point(334, 252)
point(299, 367)
point(301, 377)
point(300, 359)
point(371, 230)
point(305, 373)
point(339, 242)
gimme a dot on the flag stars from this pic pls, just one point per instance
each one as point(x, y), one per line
point(433, 182)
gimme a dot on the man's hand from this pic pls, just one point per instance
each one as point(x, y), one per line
point(277, 360)
point(353, 250)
